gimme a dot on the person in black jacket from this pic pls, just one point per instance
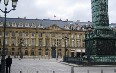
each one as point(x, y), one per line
point(8, 64)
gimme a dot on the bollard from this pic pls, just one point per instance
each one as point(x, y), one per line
point(37, 72)
point(20, 71)
point(53, 71)
point(72, 69)
point(87, 71)
point(101, 70)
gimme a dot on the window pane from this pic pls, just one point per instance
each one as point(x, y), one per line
point(13, 33)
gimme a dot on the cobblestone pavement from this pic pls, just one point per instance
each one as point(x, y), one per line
point(48, 66)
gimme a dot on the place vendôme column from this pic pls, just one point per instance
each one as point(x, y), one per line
point(100, 13)
point(101, 39)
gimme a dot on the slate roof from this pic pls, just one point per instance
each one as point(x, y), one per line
point(45, 22)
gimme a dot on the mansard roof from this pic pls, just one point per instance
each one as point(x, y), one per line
point(44, 22)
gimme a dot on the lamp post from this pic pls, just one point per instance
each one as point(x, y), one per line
point(65, 38)
point(88, 37)
point(14, 2)
point(20, 48)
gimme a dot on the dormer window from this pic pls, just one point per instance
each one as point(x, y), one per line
point(40, 26)
point(78, 27)
point(33, 25)
point(1, 23)
point(20, 24)
point(26, 24)
point(66, 26)
point(13, 24)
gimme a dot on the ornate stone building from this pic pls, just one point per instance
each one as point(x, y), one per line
point(41, 38)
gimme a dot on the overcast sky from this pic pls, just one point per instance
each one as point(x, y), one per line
point(63, 9)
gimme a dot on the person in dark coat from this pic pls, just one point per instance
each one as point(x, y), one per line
point(8, 64)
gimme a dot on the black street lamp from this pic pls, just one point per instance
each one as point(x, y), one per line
point(87, 42)
point(20, 48)
point(65, 38)
point(14, 2)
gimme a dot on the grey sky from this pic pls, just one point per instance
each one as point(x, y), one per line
point(62, 9)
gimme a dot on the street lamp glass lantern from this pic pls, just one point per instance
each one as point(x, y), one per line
point(6, 2)
point(14, 3)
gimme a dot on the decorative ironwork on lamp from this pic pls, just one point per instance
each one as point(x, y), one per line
point(14, 2)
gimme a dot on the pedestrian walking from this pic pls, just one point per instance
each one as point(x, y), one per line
point(8, 64)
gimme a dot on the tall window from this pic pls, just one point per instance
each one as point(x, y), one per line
point(72, 35)
point(40, 34)
point(6, 34)
point(78, 43)
point(26, 34)
point(6, 41)
point(78, 36)
point(54, 42)
point(33, 42)
point(72, 43)
point(65, 35)
point(59, 42)
point(33, 34)
point(20, 33)
point(13, 41)
point(59, 36)
point(47, 42)
point(47, 34)
point(83, 36)
point(67, 42)
point(40, 42)
point(26, 42)
point(13, 33)
point(53, 34)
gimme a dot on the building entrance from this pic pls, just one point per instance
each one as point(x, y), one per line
point(53, 52)
point(72, 54)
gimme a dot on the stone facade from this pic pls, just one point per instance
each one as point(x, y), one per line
point(45, 42)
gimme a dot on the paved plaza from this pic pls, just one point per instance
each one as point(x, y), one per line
point(53, 66)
